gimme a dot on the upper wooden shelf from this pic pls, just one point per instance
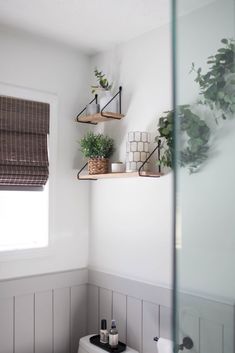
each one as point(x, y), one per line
point(98, 118)
point(119, 175)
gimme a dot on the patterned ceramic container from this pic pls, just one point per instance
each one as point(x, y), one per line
point(137, 149)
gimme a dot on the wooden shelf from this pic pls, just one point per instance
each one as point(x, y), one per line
point(119, 175)
point(98, 118)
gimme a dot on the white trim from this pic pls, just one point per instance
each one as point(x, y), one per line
point(52, 99)
point(132, 288)
point(43, 282)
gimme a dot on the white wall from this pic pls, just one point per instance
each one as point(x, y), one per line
point(39, 65)
point(131, 219)
point(207, 198)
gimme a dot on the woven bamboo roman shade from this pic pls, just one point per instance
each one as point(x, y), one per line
point(24, 126)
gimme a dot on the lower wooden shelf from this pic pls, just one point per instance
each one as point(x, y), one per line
point(119, 175)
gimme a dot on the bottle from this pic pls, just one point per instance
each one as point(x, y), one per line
point(104, 335)
point(113, 335)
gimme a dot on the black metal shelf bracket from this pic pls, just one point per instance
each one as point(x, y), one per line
point(78, 175)
point(158, 147)
point(83, 110)
point(119, 93)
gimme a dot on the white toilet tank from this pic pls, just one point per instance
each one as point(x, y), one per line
point(86, 347)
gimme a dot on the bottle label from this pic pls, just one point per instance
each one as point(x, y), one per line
point(113, 340)
point(103, 336)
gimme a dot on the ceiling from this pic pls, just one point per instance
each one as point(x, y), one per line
point(90, 25)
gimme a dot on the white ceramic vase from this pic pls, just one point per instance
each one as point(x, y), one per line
point(105, 98)
point(137, 149)
point(92, 108)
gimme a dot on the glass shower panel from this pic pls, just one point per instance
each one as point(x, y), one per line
point(205, 174)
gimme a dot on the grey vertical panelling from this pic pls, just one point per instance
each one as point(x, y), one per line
point(78, 315)
point(61, 309)
point(119, 314)
point(105, 305)
point(35, 313)
point(150, 327)
point(211, 337)
point(165, 322)
point(189, 326)
point(93, 309)
point(6, 325)
point(24, 324)
point(228, 340)
point(134, 323)
point(43, 322)
point(37, 317)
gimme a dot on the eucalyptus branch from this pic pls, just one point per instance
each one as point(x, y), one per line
point(103, 83)
point(217, 90)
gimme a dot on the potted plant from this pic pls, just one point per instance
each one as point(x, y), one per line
point(103, 83)
point(105, 87)
point(98, 148)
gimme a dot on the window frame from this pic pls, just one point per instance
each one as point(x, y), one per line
point(52, 99)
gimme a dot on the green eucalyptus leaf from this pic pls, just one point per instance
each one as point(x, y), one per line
point(220, 94)
point(224, 41)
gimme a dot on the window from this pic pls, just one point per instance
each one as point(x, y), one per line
point(24, 171)
point(23, 219)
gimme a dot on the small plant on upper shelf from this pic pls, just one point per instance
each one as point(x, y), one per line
point(98, 148)
point(103, 82)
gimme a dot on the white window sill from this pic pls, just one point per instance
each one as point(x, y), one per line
point(24, 254)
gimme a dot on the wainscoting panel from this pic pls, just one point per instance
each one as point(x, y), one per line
point(93, 309)
point(43, 322)
point(43, 314)
point(151, 326)
point(134, 323)
point(24, 323)
point(190, 326)
point(209, 322)
point(140, 316)
point(49, 314)
point(120, 314)
point(165, 322)
point(138, 321)
point(6, 325)
point(105, 305)
point(61, 320)
point(78, 315)
point(144, 311)
point(211, 337)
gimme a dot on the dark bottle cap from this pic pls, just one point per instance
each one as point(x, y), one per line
point(103, 324)
point(113, 324)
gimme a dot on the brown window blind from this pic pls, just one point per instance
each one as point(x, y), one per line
point(24, 126)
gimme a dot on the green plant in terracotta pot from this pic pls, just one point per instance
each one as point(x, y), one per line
point(98, 148)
